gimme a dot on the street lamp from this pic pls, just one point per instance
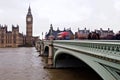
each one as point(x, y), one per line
point(42, 35)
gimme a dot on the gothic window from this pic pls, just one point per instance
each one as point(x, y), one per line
point(2, 41)
point(14, 41)
point(2, 35)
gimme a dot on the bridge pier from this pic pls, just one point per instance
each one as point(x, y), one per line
point(50, 56)
point(37, 46)
point(41, 48)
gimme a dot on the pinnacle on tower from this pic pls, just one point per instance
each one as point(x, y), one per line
point(29, 11)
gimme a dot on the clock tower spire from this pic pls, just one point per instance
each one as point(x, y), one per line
point(29, 26)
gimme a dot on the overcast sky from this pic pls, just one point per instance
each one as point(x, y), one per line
point(92, 14)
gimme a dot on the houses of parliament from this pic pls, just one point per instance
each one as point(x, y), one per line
point(14, 38)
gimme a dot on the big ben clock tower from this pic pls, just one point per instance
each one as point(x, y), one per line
point(29, 25)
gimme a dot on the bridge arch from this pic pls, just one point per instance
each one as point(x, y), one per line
point(65, 60)
point(86, 60)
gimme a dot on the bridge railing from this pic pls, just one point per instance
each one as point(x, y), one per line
point(109, 49)
point(103, 45)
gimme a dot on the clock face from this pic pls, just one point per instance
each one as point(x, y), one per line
point(29, 19)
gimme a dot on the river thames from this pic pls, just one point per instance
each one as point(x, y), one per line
point(24, 64)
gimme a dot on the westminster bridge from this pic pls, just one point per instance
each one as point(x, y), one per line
point(102, 56)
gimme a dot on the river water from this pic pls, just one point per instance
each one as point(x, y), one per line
point(24, 64)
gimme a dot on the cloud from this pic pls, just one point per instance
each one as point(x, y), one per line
point(117, 5)
point(91, 14)
point(62, 10)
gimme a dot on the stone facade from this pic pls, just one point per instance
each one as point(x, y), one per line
point(82, 34)
point(105, 34)
point(14, 38)
point(54, 33)
point(11, 38)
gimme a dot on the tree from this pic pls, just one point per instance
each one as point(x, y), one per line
point(93, 36)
